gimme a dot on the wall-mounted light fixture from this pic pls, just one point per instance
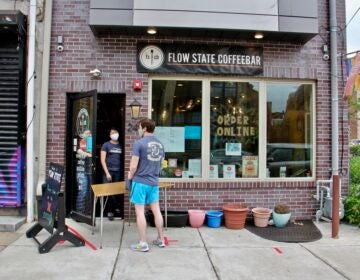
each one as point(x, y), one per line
point(135, 108)
point(151, 30)
point(258, 35)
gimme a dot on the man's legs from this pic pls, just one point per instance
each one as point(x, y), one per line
point(155, 208)
point(141, 221)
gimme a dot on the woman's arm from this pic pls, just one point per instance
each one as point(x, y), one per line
point(104, 167)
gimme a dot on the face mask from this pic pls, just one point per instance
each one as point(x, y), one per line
point(114, 136)
point(141, 132)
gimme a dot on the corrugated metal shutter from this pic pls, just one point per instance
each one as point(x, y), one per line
point(10, 125)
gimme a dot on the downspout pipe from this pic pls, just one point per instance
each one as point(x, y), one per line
point(30, 114)
point(334, 119)
point(44, 97)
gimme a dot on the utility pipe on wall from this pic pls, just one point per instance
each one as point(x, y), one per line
point(334, 119)
point(44, 97)
point(30, 114)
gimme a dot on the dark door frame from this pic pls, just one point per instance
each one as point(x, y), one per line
point(69, 180)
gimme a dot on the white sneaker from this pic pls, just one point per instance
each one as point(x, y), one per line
point(140, 247)
point(159, 242)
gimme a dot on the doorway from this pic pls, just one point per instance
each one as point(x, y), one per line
point(93, 114)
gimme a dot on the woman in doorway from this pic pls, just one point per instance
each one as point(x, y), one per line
point(110, 158)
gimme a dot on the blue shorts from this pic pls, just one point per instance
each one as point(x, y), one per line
point(143, 194)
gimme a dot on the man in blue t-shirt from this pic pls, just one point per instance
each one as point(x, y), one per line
point(110, 159)
point(145, 165)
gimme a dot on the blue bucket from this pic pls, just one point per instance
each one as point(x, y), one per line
point(214, 218)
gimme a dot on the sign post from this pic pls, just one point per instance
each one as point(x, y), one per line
point(52, 207)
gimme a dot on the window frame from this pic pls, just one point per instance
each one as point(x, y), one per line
point(205, 126)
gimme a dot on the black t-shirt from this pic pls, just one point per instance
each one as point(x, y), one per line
point(113, 155)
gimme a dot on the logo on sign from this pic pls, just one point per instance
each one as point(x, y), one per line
point(82, 121)
point(151, 57)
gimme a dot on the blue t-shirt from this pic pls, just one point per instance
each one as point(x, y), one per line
point(151, 153)
point(113, 155)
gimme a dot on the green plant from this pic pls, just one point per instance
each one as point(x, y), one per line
point(355, 150)
point(355, 170)
point(281, 208)
point(352, 205)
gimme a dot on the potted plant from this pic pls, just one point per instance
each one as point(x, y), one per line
point(281, 215)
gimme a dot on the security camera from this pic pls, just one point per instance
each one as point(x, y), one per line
point(326, 56)
point(96, 72)
point(60, 48)
point(60, 42)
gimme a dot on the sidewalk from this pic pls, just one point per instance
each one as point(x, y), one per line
point(204, 253)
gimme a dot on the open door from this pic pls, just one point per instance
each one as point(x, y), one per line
point(81, 161)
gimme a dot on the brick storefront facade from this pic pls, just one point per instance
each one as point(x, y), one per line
point(115, 55)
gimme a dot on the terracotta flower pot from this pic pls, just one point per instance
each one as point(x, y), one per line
point(235, 215)
point(261, 216)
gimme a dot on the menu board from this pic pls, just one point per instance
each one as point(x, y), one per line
point(50, 195)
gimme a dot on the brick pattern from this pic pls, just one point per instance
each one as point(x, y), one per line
point(116, 57)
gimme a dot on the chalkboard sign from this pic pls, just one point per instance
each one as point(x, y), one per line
point(50, 197)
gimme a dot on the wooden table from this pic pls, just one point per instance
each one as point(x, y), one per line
point(108, 189)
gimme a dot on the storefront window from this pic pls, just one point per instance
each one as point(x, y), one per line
point(250, 129)
point(176, 109)
point(234, 129)
point(289, 130)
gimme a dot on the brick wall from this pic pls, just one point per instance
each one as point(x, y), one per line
point(116, 57)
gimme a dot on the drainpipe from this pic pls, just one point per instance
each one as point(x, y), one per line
point(44, 97)
point(334, 120)
point(30, 114)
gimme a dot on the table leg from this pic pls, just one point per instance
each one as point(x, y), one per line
point(101, 219)
point(129, 210)
point(93, 215)
point(165, 200)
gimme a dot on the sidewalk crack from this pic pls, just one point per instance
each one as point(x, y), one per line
point(118, 253)
point(326, 262)
point(208, 254)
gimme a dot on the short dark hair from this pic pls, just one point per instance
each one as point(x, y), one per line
point(113, 128)
point(148, 123)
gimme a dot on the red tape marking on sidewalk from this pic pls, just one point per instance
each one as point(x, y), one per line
point(167, 241)
point(88, 243)
point(278, 250)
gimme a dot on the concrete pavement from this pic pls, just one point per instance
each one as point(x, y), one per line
point(204, 253)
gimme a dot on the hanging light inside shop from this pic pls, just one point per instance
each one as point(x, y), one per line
point(190, 104)
point(229, 101)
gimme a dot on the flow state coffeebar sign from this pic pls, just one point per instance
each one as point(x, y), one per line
point(199, 59)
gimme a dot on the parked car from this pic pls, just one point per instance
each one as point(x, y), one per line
point(288, 160)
